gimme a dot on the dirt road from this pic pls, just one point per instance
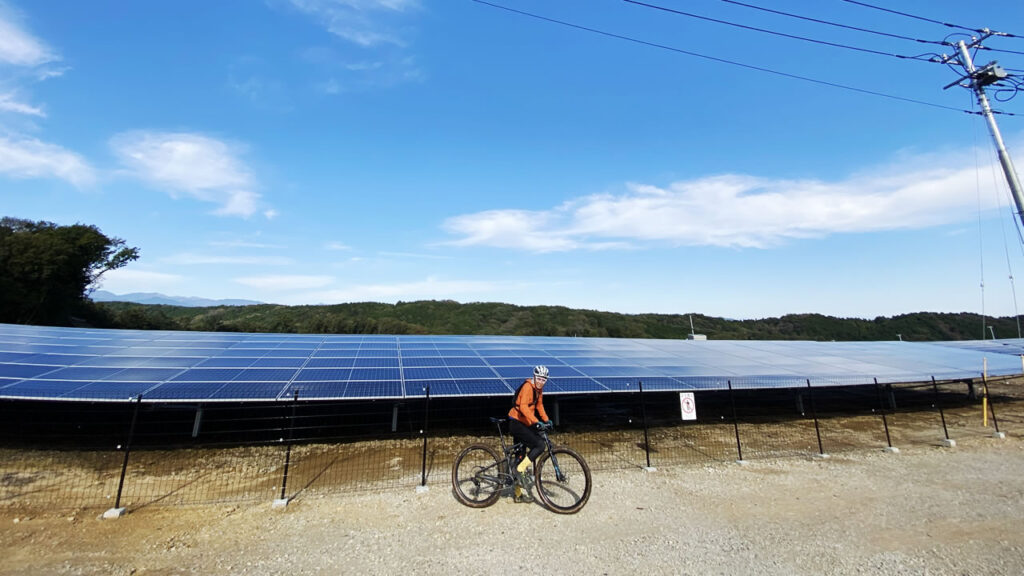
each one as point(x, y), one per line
point(927, 510)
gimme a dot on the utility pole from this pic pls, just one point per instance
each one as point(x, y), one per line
point(977, 79)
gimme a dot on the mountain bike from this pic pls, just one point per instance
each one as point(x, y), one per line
point(560, 475)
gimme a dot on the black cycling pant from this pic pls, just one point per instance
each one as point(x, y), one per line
point(523, 433)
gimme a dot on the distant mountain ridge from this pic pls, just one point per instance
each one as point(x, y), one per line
point(157, 298)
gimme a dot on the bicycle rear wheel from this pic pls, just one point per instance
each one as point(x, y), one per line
point(563, 480)
point(476, 477)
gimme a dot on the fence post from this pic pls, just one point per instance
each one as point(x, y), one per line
point(735, 424)
point(283, 501)
point(814, 414)
point(992, 409)
point(117, 511)
point(426, 431)
point(948, 442)
point(885, 422)
point(643, 417)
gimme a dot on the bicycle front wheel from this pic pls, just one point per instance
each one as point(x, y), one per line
point(563, 480)
point(476, 478)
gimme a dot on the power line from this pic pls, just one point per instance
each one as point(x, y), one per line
point(933, 21)
point(921, 58)
point(984, 31)
point(836, 24)
point(716, 59)
point(986, 48)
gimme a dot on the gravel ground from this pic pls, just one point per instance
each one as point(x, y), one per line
point(927, 510)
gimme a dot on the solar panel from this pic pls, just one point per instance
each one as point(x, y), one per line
point(330, 363)
point(437, 387)
point(423, 362)
point(375, 362)
point(23, 370)
point(374, 389)
point(318, 390)
point(279, 362)
point(117, 365)
point(324, 374)
point(226, 362)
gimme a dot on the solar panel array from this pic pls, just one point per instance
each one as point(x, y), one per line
point(118, 365)
point(1011, 346)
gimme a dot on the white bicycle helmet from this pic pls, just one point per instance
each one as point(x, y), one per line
point(540, 372)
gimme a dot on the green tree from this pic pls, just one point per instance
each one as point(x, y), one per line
point(47, 271)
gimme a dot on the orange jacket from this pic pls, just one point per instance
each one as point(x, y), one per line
point(529, 408)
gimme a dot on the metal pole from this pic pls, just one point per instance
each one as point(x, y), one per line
point(991, 406)
point(735, 422)
point(881, 406)
point(426, 421)
point(814, 414)
point(938, 405)
point(127, 450)
point(643, 416)
point(1004, 156)
point(288, 451)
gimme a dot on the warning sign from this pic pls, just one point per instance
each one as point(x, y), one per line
point(687, 405)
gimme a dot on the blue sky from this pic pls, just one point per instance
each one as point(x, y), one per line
point(328, 151)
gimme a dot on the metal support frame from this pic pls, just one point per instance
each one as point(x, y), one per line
point(426, 433)
point(198, 421)
point(938, 405)
point(124, 464)
point(814, 414)
point(643, 418)
point(283, 501)
point(735, 424)
point(991, 408)
point(885, 421)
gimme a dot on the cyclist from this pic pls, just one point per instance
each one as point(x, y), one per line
point(527, 418)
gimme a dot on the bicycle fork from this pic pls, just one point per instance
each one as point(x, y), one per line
point(558, 471)
point(554, 461)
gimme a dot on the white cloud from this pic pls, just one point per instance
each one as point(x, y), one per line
point(188, 258)
point(414, 256)
point(47, 72)
point(8, 103)
point(241, 244)
point(358, 21)
point(431, 288)
point(198, 166)
point(24, 156)
point(31, 158)
point(733, 211)
point(285, 282)
point(523, 229)
point(17, 46)
point(337, 246)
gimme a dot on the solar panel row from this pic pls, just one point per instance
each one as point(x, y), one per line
point(93, 364)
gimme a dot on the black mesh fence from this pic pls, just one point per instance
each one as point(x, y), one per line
point(138, 454)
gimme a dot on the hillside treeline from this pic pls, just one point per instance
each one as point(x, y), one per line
point(448, 317)
point(47, 272)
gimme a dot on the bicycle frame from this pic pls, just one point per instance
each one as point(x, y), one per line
point(509, 449)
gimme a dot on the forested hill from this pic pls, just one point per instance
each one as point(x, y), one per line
point(448, 317)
